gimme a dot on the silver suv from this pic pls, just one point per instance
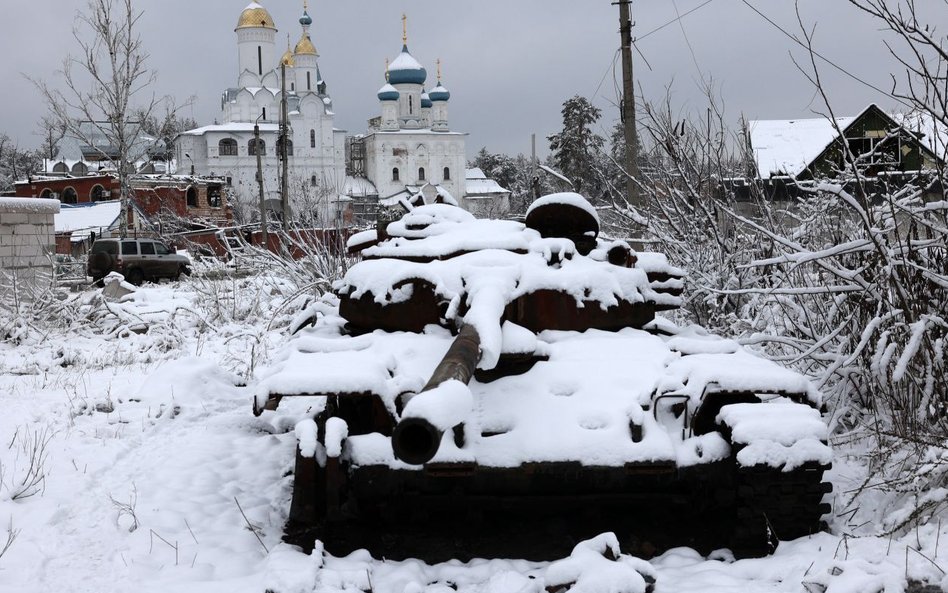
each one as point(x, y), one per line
point(136, 259)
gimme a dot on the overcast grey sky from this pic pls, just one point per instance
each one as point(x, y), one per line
point(509, 64)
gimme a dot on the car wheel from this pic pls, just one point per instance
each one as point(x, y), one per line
point(135, 276)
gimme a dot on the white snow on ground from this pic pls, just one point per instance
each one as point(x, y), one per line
point(151, 445)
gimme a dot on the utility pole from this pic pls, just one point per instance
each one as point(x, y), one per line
point(263, 205)
point(534, 175)
point(628, 106)
point(284, 129)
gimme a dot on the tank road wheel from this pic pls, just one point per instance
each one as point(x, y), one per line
point(773, 505)
point(308, 506)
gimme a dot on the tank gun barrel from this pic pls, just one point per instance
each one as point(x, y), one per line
point(418, 434)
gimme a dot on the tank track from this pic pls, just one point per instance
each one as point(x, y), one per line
point(774, 505)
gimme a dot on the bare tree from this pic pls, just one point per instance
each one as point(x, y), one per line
point(164, 127)
point(52, 132)
point(845, 278)
point(106, 89)
point(15, 163)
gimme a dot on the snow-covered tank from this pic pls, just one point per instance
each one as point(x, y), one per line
point(496, 388)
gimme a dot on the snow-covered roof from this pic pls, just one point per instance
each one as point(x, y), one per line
point(359, 187)
point(231, 127)
point(73, 218)
point(786, 147)
point(477, 184)
point(932, 134)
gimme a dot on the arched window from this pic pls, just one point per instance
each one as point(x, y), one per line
point(395, 174)
point(60, 167)
point(253, 145)
point(80, 168)
point(312, 138)
point(98, 193)
point(192, 196)
point(312, 181)
point(227, 147)
point(69, 196)
point(411, 105)
point(421, 173)
point(289, 147)
point(47, 193)
point(447, 174)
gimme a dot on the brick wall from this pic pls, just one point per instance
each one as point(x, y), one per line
point(26, 239)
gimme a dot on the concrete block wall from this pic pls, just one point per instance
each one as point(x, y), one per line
point(27, 238)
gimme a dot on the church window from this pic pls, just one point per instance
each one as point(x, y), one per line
point(259, 60)
point(69, 196)
point(192, 197)
point(312, 138)
point(97, 193)
point(411, 105)
point(227, 147)
point(421, 173)
point(252, 147)
point(264, 113)
point(312, 181)
point(292, 86)
point(309, 85)
point(289, 147)
point(447, 174)
point(395, 174)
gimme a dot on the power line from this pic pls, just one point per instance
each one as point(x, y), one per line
point(824, 58)
point(687, 41)
point(611, 66)
point(674, 20)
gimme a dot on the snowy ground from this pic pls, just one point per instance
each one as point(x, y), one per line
point(155, 476)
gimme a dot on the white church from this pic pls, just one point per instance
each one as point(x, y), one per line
point(408, 153)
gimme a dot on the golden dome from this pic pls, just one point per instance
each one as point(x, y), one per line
point(306, 47)
point(255, 15)
point(287, 58)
